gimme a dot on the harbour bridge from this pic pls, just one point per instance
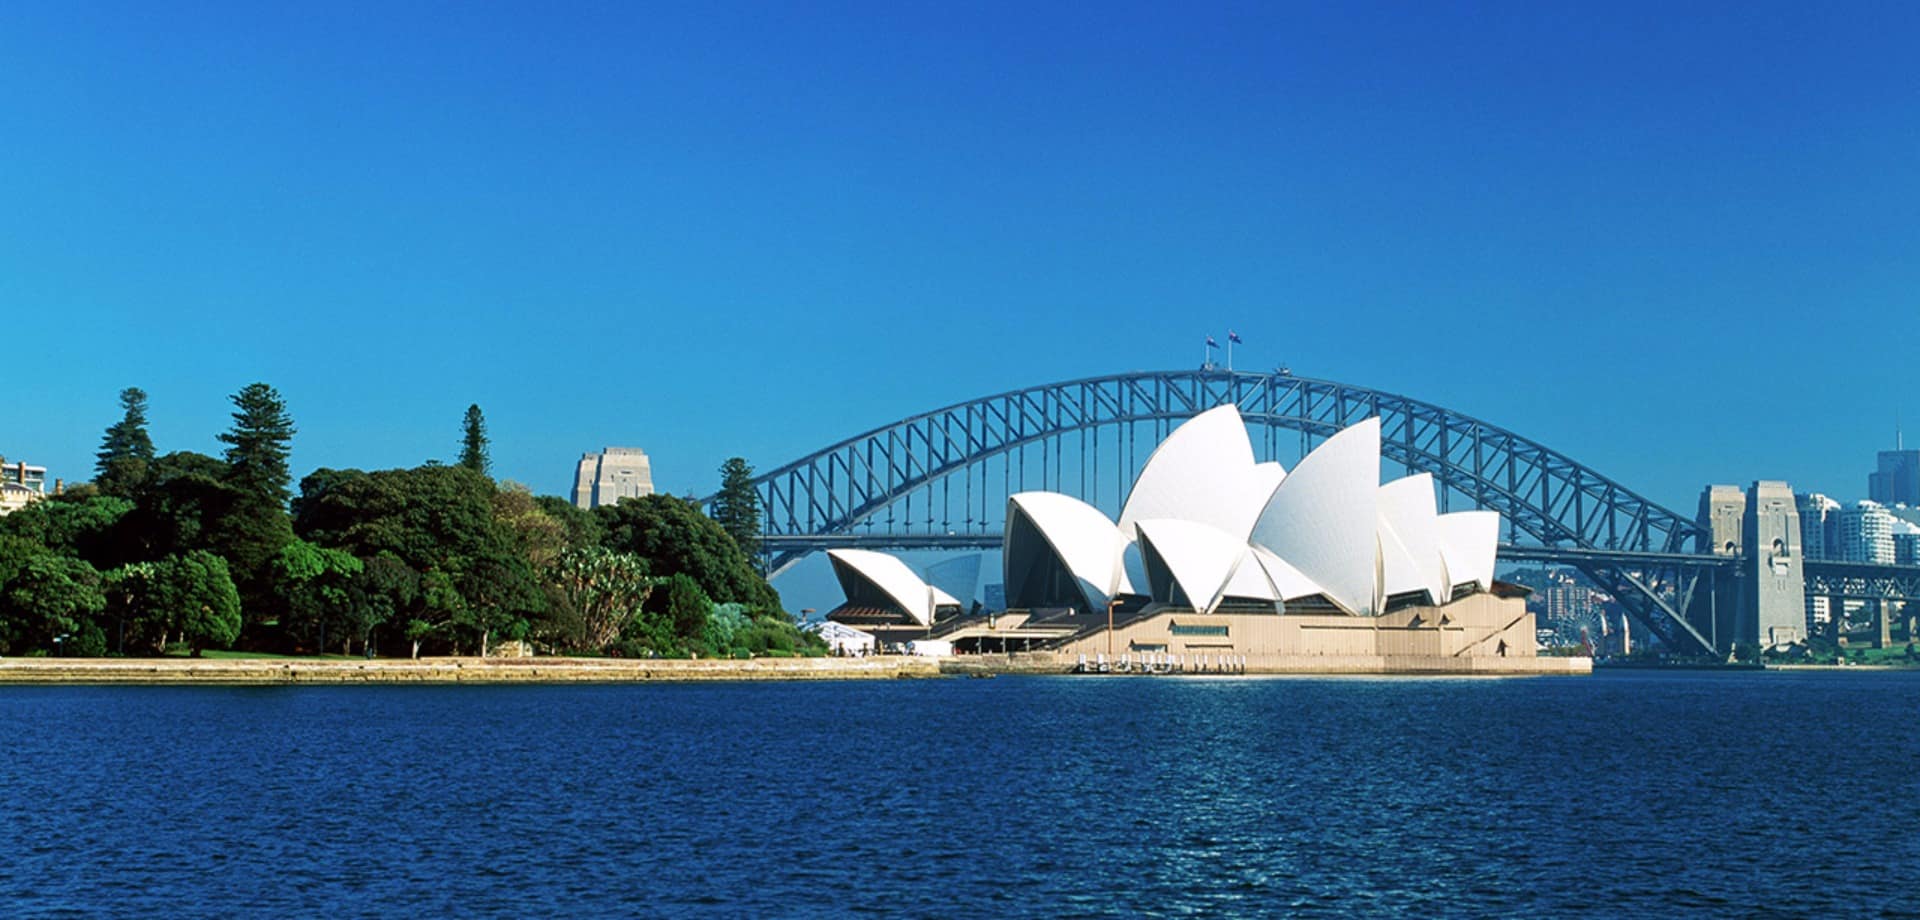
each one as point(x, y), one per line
point(940, 480)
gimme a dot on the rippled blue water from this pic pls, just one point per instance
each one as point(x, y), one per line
point(1621, 794)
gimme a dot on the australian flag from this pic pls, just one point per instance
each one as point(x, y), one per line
point(1211, 343)
point(1234, 337)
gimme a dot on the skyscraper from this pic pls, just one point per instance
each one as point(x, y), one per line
point(1898, 480)
point(611, 475)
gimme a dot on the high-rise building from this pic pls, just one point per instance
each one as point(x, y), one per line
point(1818, 517)
point(1865, 533)
point(1906, 542)
point(611, 475)
point(1898, 479)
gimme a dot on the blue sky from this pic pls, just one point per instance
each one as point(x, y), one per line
point(1676, 243)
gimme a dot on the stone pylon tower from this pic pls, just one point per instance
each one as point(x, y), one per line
point(1764, 600)
point(1774, 586)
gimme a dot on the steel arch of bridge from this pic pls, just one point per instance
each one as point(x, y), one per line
point(1555, 502)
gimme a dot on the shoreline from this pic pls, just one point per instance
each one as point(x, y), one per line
point(557, 670)
point(277, 671)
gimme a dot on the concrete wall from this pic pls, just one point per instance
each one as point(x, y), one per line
point(1473, 627)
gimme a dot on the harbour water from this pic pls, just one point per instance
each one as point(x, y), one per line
point(1635, 794)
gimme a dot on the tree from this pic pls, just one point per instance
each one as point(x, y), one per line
point(537, 535)
point(256, 527)
point(687, 608)
point(439, 606)
point(179, 509)
point(599, 595)
point(736, 507)
point(443, 522)
point(44, 596)
point(258, 444)
point(385, 591)
point(129, 593)
point(196, 594)
point(675, 538)
point(84, 527)
point(473, 442)
point(126, 451)
point(581, 528)
point(315, 587)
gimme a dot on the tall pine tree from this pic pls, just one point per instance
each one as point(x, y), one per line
point(736, 508)
point(258, 445)
point(120, 468)
point(252, 532)
point(473, 442)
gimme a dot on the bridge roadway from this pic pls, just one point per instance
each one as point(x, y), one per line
point(1825, 577)
point(801, 544)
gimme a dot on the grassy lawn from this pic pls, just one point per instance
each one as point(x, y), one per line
point(1894, 655)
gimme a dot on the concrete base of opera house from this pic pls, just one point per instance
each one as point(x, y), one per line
point(1481, 634)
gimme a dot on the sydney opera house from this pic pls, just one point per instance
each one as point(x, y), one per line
point(1219, 557)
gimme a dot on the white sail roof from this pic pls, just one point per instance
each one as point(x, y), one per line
point(1469, 542)
point(1288, 582)
point(1195, 558)
point(1324, 519)
point(1410, 539)
point(1076, 534)
point(860, 568)
point(1203, 472)
point(1250, 579)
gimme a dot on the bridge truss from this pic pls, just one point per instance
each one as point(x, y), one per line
point(941, 478)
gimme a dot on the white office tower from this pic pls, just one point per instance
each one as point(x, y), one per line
point(1819, 515)
point(1866, 533)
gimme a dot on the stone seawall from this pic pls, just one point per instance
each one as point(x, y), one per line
point(1324, 665)
point(450, 670)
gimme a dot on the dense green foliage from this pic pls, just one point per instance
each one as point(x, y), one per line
point(46, 596)
point(187, 550)
point(677, 538)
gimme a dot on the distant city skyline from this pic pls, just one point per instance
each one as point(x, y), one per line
point(731, 231)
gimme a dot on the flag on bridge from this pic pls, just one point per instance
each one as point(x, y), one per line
point(1211, 343)
point(1234, 337)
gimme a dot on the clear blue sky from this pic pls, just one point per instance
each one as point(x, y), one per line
point(1678, 242)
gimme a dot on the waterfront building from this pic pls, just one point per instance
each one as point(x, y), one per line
point(1215, 554)
point(20, 485)
point(1898, 479)
point(1865, 532)
point(885, 598)
point(611, 475)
